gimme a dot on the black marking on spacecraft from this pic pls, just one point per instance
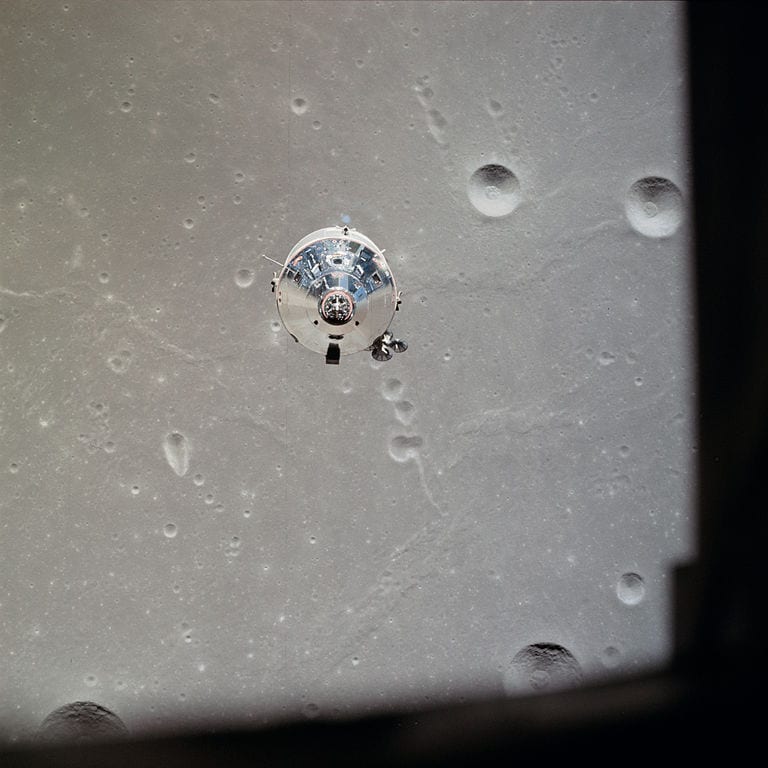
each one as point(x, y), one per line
point(336, 295)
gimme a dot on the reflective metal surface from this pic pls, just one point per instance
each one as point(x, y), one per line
point(336, 295)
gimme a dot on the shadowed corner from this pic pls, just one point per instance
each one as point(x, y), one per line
point(718, 597)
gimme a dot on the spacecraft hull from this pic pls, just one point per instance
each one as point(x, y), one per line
point(336, 288)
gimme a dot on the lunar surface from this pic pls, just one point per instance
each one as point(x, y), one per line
point(199, 519)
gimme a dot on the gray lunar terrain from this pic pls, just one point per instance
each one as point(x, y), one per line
point(199, 518)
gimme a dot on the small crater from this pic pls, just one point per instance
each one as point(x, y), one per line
point(104, 278)
point(405, 411)
point(117, 364)
point(311, 711)
point(494, 190)
point(189, 223)
point(494, 108)
point(654, 207)
point(198, 479)
point(244, 278)
point(436, 123)
point(317, 125)
point(404, 447)
point(190, 157)
point(299, 106)
point(631, 589)
point(606, 358)
point(176, 450)
point(213, 98)
point(542, 667)
point(170, 530)
point(424, 94)
point(611, 657)
point(392, 389)
point(126, 106)
point(233, 547)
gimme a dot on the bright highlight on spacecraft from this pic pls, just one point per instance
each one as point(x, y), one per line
point(336, 295)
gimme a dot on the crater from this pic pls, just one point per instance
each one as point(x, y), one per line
point(404, 447)
point(81, 721)
point(176, 450)
point(542, 667)
point(631, 589)
point(654, 207)
point(299, 106)
point(244, 278)
point(494, 190)
point(391, 389)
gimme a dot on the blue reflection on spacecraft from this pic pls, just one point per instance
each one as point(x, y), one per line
point(351, 258)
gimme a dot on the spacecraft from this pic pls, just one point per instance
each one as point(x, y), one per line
point(336, 295)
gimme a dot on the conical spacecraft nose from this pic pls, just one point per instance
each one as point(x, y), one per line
point(336, 295)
